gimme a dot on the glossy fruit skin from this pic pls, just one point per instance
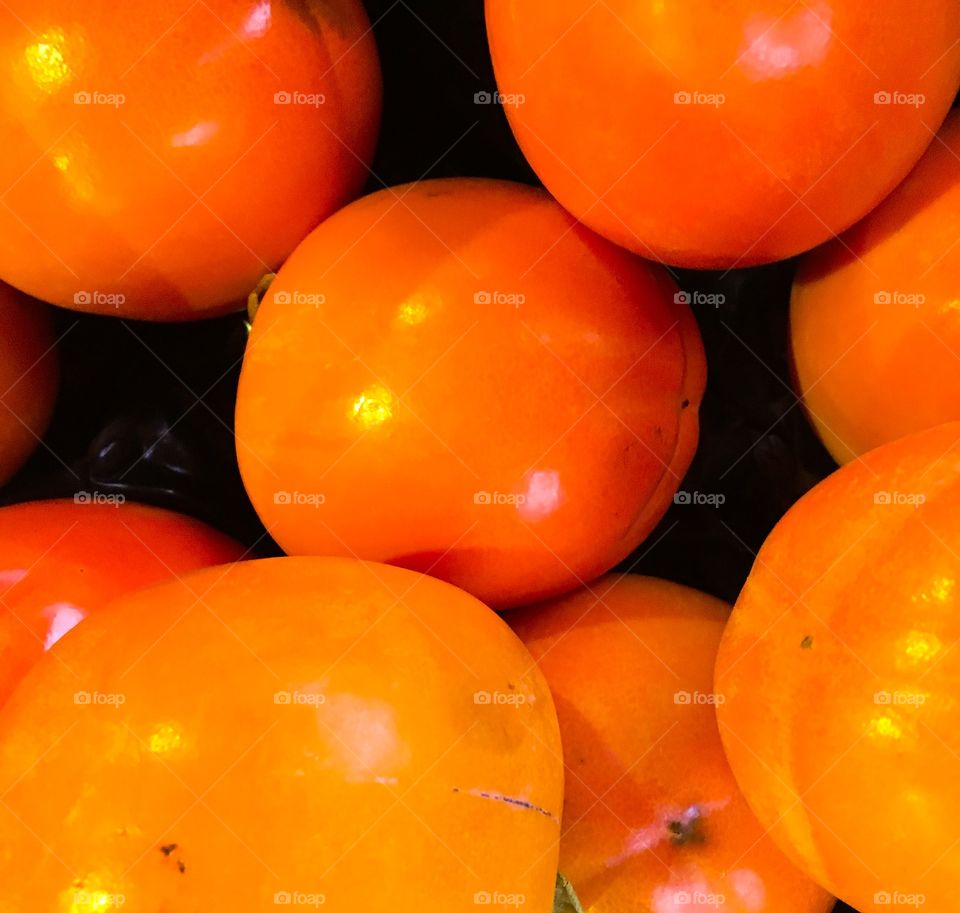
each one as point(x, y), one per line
point(29, 377)
point(304, 726)
point(62, 560)
point(841, 720)
point(709, 134)
point(177, 176)
point(514, 449)
point(875, 315)
point(653, 819)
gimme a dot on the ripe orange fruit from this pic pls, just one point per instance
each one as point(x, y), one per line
point(157, 163)
point(712, 134)
point(62, 560)
point(29, 376)
point(841, 676)
point(455, 377)
point(298, 730)
point(652, 818)
point(875, 316)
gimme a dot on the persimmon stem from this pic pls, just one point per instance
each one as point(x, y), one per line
point(256, 296)
point(565, 899)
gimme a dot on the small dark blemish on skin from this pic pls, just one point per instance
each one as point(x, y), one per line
point(182, 868)
point(685, 404)
point(807, 642)
point(168, 849)
point(687, 831)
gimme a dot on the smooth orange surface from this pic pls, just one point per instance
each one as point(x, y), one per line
point(159, 158)
point(303, 731)
point(29, 376)
point(712, 134)
point(652, 817)
point(455, 377)
point(60, 561)
point(841, 672)
point(875, 316)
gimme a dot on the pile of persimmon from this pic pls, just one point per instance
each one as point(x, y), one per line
point(465, 396)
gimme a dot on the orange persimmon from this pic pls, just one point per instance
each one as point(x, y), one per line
point(711, 134)
point(456, 377)
point(653, 819)
point(875, 315)
point(158, 158)
point(62, 560)
point(841, 672)
point(303, 731)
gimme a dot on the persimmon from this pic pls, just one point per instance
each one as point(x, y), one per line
point(711, 134)
point(62, 560)
point(841, 672)
point(29, 377)
point(875, 315)
point(455, 377)
point(652, 818)
point(157, 162)
point(290, 731)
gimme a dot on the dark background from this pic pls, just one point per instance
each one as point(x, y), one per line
point(147, 410)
